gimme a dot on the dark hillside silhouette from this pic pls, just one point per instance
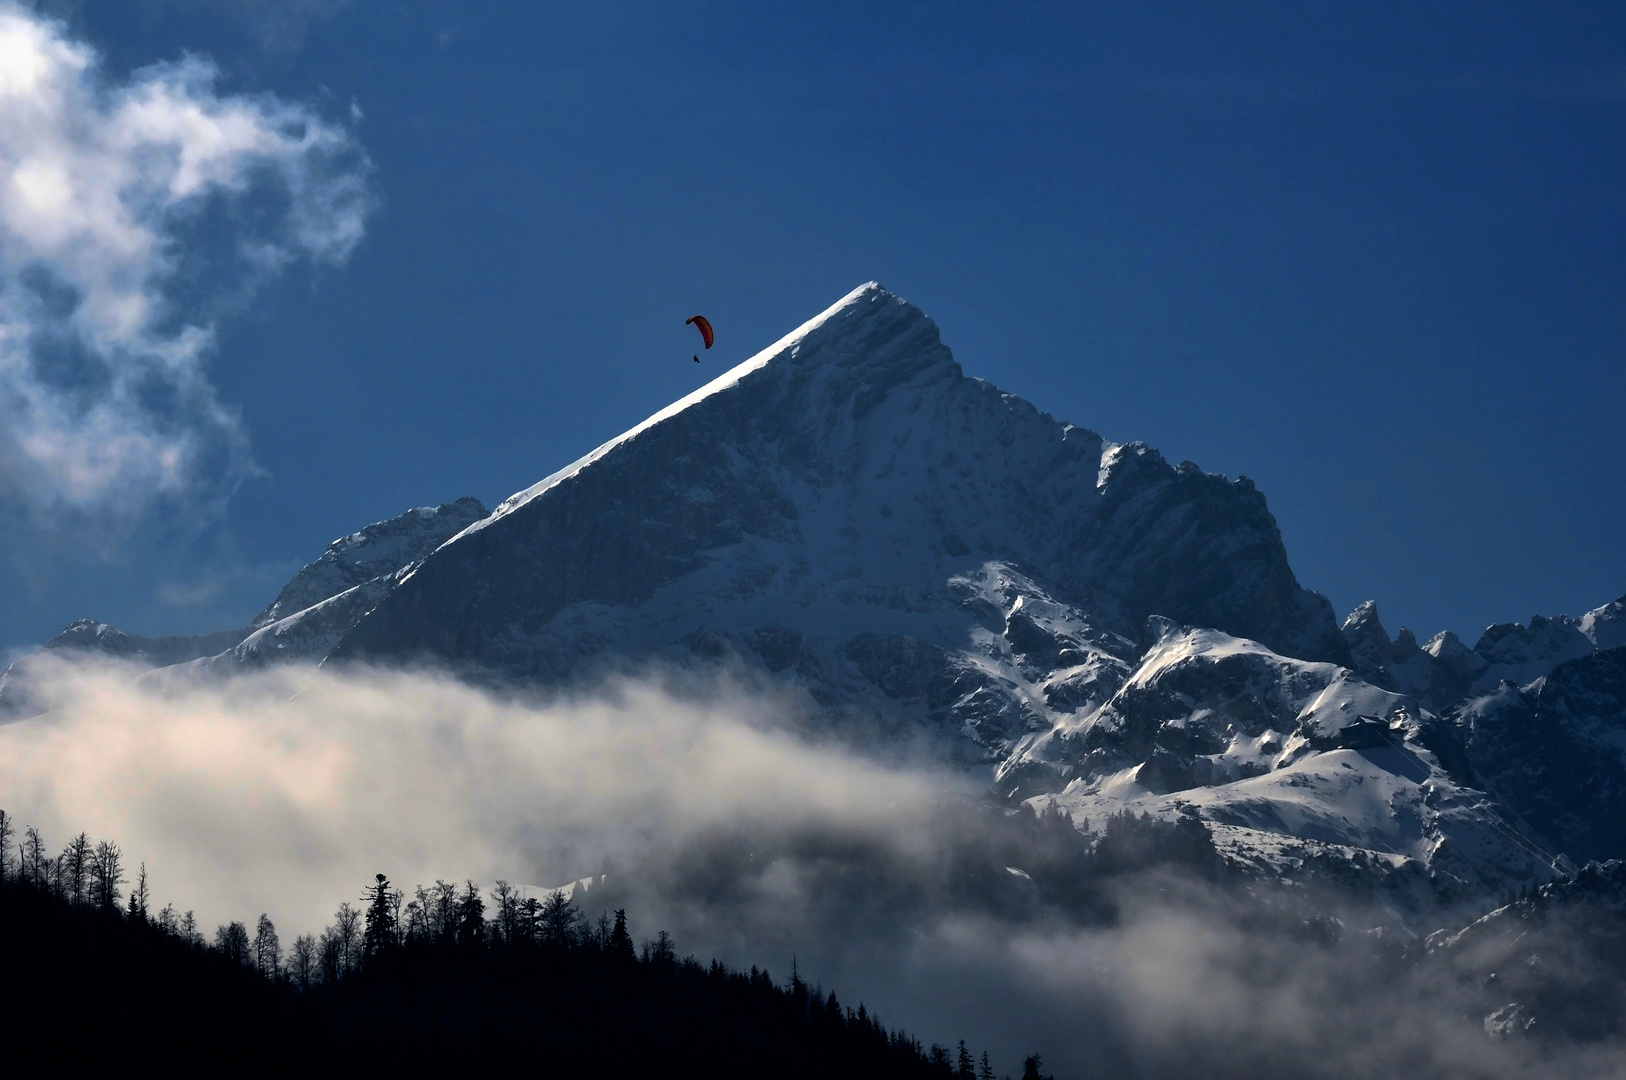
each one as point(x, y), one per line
point(442, 980)
point(83, 977)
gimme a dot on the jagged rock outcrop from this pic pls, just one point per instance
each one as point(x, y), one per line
point(1444, 671)
point(370, 554)
point(1516, 653)
point(1437, 673)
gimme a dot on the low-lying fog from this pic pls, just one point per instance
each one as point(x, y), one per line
point(285, 791)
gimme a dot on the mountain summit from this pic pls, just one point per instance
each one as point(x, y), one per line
point(848, 480)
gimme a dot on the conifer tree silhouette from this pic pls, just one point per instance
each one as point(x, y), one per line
point(231, 941)
point(620, 940)
point(345, 934)
point(36, 866)
point(588, 995)
point(505, 927)
point(559, 918)
point(471, 916)
point(380, 934)
point(303, 971)
point(965, 1068)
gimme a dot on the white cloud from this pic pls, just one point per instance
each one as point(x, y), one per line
point(279, 788)
point(112, 201)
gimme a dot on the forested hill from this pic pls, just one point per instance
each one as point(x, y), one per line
point(440, 980)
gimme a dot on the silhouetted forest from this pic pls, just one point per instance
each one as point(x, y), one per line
point(453, 976)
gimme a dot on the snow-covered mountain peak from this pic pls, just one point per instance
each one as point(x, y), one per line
point(1369, 645)
point(90, 634)
point(1606, 625)
point(850, 467)
point(1448, 648)
point(1364, 620)
point(1443, 671)
point(848, 356)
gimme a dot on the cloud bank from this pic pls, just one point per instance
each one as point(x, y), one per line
point(133, 214)
point(277, 789)
point(284, 791)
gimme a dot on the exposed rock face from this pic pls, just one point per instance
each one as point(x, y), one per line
point(1204, 708)
point(309, 633)
point(1605, 626)
point(1368, 642)
point(1454, 667)
point(1437, 673)
point(847, 510)
point(1555, 752)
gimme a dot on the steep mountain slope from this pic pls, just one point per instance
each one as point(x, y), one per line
point(917, 550)
point(836, 484)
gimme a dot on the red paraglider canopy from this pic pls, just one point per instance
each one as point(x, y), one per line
point(703, 326)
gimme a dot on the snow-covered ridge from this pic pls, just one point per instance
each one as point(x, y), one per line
point(787, 346)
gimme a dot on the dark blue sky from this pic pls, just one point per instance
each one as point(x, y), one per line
point(1369, 255)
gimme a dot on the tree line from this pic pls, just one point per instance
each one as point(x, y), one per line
point(450, 973)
